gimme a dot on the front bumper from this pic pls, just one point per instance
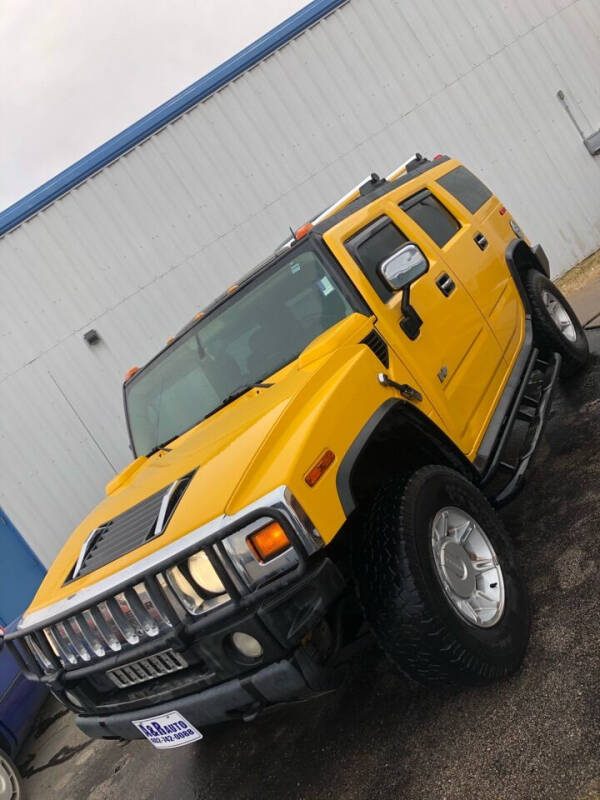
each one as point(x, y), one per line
point(284, 623)
point(235, 699)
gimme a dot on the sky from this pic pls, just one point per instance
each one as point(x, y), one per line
point(73, 73)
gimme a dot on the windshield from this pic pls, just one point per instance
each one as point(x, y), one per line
point(262, 327)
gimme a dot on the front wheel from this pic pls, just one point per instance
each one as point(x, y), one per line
point(438, 581)
point(555, 324)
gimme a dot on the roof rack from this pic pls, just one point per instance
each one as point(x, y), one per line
point(362, 188)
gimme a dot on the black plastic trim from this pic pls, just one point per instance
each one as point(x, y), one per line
point(414, 417)
point(515, 380)
point(517, 470)
point(542, 259)
point(344, 472)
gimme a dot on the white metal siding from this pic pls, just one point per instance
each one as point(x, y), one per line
point(135, 250)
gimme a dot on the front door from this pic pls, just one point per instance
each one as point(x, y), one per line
point(456, 359)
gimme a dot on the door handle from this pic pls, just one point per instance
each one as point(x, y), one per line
point(445, 284)
point(480, 241)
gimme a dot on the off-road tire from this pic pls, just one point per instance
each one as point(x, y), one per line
point(10, 773)
point(402, 596)
point(547, 336)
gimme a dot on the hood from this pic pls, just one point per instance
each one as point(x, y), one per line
point(221, 450)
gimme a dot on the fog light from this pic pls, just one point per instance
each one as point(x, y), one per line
point(247, 645)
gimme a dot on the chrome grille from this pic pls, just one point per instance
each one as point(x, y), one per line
point(146, 669)
point(112, 625)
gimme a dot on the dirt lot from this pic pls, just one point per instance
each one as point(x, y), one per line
point(534, 737)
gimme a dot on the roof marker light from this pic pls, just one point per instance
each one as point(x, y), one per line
point(199, 315)
point(303, 231)
point(438, 156)
point(170, 339)
point(502, 210)
point(130, 373)
point(232, 289)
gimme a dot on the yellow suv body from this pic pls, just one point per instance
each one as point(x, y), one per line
point(391, 337)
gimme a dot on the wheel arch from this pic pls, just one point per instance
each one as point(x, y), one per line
point(375, 452)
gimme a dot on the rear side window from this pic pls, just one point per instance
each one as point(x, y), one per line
point(372, 246)
point(435, 219)
point(467, 189)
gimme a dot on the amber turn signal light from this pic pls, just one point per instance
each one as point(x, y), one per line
point(315, 473)
point(268, 542)
point(303, 231)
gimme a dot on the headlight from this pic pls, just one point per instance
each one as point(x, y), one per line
point(187, 594)
point(203, 572)
point(260, 552)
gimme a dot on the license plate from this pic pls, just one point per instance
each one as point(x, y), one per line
point(168, 730)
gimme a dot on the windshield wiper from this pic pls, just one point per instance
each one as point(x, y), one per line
point(162, 446)
point(238, 393)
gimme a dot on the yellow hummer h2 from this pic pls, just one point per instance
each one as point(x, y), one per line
point(317, 457)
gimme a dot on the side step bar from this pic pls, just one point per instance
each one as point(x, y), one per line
point(530, 405)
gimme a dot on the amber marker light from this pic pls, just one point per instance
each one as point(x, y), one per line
point(316, 473)
point(303, 231)
point(199, 315)
point(130, 373)
point(233, 288)
point(268, 542)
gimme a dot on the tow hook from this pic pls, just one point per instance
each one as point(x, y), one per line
point(404, 388)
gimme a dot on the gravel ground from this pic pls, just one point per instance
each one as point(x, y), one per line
point(533, 737)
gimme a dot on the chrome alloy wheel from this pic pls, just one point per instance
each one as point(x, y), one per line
point(559, 316)
point(467, 567)
point(9, 783)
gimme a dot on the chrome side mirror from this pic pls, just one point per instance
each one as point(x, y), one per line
point(403, 267)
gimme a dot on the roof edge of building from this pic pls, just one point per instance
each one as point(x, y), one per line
point(171, 109)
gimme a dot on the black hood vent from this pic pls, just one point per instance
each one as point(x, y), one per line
point(374, 341)
point(130, 530)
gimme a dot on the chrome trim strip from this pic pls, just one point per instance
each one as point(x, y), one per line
point(164, 505)
point(83, 553)
point(280, 499)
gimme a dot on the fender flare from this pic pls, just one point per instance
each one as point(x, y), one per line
point(411, 415)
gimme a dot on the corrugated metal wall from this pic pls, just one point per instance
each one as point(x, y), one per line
point(136, 249)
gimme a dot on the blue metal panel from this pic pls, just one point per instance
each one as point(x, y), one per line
point(20, 571)
point(168, 111)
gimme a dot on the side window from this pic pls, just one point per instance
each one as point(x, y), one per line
point(373, 245)
point(429, 214)
point(467, 189)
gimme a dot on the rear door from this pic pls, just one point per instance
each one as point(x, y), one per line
point(456, 360)
point(477, 254)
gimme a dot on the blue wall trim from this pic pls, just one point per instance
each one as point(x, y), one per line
point(156, 119)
